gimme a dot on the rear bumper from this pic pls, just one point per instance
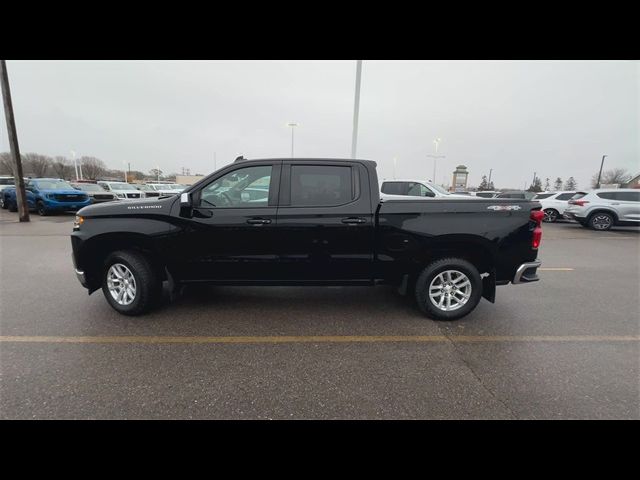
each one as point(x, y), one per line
point(527, 273)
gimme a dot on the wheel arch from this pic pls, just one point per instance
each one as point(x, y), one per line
point(96, 250)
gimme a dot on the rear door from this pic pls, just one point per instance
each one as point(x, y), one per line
point(325, 223)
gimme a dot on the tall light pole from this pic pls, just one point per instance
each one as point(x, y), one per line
point(395, 164)
point(356, 109)
point(435, 158)
point(600, 173)
point(21, 195)
point(75, 164)
point(293, 125)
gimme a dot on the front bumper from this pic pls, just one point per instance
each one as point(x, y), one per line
point(526, 273)
point(55, 205)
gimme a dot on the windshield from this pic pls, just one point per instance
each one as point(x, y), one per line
point(88, 187)
point(121, 186)
point(53, 185)
point(176, 187)
point(438, 189)
point(160, 186)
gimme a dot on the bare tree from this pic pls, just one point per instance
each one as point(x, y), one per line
point(92, 167)
point(6, 164)
point(61, 166)
point(616, 175)
point(36, 164)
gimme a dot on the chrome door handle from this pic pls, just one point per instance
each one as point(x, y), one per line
point(258, 221)
point(353, 220)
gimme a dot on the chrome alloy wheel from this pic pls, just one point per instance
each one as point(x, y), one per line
point(550, 215)
point(450, 290)
point(601, 222)
point(121, 284)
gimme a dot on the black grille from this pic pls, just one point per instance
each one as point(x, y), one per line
point(103, 197)
point(133, 195)
point(70, 197)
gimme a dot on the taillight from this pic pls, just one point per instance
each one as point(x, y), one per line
point(578, 202)
point(537, 216)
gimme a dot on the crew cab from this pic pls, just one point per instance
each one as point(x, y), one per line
point(47, 195)
point(319, 222)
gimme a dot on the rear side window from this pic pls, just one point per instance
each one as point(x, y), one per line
point(321, 186)
point(394, 188)
point(578, 195)
point(565, 196)
point(540, 196)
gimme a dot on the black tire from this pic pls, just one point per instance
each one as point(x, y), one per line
point(13, 207)
point(551, 215)
point(148, 285)
point(41, 209)
point(427, 276)
point(3, 204)
point(601, 221)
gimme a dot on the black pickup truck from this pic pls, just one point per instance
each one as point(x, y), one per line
point(307, 222)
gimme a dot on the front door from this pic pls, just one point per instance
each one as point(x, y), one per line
point(230, 233)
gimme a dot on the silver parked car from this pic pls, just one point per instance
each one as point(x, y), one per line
point(604, 208)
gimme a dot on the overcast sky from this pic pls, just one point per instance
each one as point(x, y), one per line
point(556, 118)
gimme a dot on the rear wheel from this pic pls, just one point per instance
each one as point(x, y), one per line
point(130, 283)
point(448, 289)
point(550, 215)
point(13, 207)
point(601, 221)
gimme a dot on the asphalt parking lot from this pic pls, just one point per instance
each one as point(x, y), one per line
point(566, 347)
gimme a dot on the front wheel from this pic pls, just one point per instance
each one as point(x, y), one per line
point(42, 209)
point(130, 283)
point(3, 203)
point(13, 207)
point(448, 289)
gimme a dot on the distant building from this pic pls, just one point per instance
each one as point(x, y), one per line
point(460, 178)
point(634, 182)
point(188, 179)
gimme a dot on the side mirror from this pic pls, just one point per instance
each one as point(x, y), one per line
point(245, 197)
point(185, 200)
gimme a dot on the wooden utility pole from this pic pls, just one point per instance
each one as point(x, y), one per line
point(21, 196)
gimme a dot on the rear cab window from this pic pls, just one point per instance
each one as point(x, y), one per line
point(322, 185)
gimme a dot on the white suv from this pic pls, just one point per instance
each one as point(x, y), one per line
point(602, 209)
point(554, 204)
point(122, 190)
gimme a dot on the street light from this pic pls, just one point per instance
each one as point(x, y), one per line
point(600, 174)
point(75, 164)
point(435, 157)
point(292, 125)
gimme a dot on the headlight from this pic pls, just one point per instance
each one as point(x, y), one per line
point(77, 222)
point(120, 195)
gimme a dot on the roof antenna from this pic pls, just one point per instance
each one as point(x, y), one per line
point(240, 158)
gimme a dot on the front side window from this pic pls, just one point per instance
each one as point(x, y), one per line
point(243, 188)
point(321, 186)
point(419, 190)
point(629, 196)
